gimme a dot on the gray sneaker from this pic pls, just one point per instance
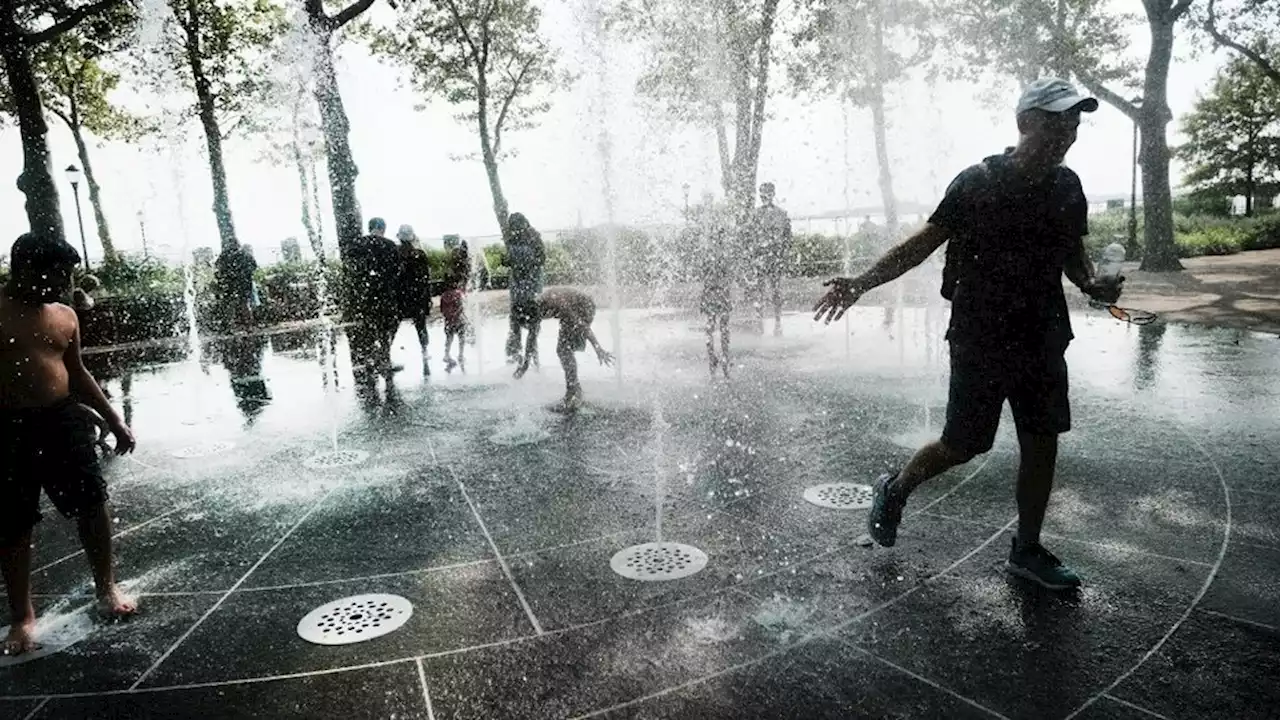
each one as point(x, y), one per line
point(1040, 566)
point(886, 512)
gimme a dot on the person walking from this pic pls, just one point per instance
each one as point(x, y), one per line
point(770, 248)
point(371, 267)
point(526, 257)
point(413, 292)
point(1013, 224)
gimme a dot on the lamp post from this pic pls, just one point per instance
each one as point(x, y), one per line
point(1132, 249)
point(74, 174)
point(142, 227)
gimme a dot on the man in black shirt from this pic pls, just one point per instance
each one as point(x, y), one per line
point(1015, 223)
point(372, 272)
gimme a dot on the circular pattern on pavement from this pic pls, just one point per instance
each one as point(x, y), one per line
point(652, 562)
point(336, 459)
point(355, 619)
point(840, 496)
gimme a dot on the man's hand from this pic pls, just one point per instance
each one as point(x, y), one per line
point(1105, 289)
point(125, 443)
point(842, 295)
point(604, 356)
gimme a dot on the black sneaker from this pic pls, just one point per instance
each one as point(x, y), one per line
point(1040, 566)
point(886, 512)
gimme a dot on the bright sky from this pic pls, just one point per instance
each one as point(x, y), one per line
point(408, 173)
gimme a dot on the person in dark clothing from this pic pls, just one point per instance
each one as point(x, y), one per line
point(576, 311)
point(526, 256)
point(770, 245)
point(1014, 224)
point(371, 279)
point(233, 276)
point(414, 287)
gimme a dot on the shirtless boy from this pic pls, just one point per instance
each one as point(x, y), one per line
point(575, 310)
point(44, 442)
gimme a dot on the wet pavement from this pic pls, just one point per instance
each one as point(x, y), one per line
point(497, 519)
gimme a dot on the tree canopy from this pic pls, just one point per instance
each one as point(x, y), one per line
point(1233, 136)
point(486, 56)
point(1247, 27)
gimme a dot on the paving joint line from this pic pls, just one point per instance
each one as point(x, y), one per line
point(920, 678)
point(1242, 621)
point(121, 533)
point(802, 642)
point(191, 630)
point(426, 692)
point(522, 639)
point(1204, 588)
point(1071, 538)
point(1134, 706)
point(36, 710)
point(502, 563)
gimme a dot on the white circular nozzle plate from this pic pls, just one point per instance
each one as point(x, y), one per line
point(840, 496)
point(336, 459)
point(355, 619)
point(658, 561)
point(203, 450)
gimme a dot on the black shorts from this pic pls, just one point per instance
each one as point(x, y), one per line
point(51, 448)
point(1034, 381)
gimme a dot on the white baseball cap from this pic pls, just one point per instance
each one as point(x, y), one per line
point(1055, 95)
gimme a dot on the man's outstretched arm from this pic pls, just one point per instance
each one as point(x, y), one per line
point(892, 265)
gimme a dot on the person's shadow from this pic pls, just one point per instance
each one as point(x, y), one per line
point(242, 355)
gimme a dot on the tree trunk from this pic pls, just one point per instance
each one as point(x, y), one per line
point(36, 180)
point(1161, 254)
point(205, 105)
point(763, 48)
point(490, 158)
point(880, 127)
point(109, 256)
point(500, 208)
point(338, 158)
point(315, 207)
point(304, 187)
point(887, 196)
point(722, 145)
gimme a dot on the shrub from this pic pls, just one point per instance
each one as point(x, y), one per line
point(1202, 204)
point(1263, 233)
point(1223, 240)
point(132, 274)
point(1109, 227)
point(290, 290)
point(815, 255)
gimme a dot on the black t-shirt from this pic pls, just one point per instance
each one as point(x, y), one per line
point(234, 270)
point(373, 274)
point(1010, 238)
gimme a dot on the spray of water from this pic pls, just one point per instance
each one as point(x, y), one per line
point(595, 37)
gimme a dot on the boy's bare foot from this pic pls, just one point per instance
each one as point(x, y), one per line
point(21, 638)
point(114, 604)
